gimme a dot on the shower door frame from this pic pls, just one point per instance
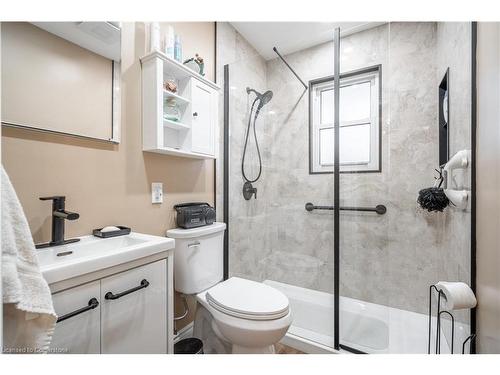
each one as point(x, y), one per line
point(336, 195)
point(473, 323)
point(336, 189)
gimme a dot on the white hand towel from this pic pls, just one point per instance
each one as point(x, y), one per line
point(29, 316)
point(457, 295)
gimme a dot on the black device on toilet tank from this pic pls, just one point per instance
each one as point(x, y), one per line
point(193, 215)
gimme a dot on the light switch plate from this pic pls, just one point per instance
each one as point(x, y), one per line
point(157, 192)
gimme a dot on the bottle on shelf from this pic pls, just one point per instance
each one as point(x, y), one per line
point(178, 49)
point(154, 36)
point(170, 42)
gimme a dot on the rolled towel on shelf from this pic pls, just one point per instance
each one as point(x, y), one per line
point(456, 295)
point(458, 196)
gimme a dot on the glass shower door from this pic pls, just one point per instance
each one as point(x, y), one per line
point(392, 250)
point(272, 237)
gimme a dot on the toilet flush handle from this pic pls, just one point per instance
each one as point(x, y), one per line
point(193, 244)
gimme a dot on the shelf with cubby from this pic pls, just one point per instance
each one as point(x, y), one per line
point(195, 134)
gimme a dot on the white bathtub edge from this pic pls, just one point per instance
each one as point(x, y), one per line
point(306, 346)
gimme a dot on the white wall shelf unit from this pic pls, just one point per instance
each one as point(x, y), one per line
point(195, 134)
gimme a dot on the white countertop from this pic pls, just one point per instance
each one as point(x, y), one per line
point(92, 254)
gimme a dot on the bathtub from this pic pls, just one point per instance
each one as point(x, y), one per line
point(364, 326)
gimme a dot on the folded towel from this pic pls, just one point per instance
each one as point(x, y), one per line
point(457, 295)
point(29, 316)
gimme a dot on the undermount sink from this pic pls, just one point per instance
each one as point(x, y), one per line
point(92, 254)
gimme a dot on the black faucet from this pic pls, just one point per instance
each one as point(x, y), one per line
point(59, 214)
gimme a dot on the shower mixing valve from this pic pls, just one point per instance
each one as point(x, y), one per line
point(249, 190)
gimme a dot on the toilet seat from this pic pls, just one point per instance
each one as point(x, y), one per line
point(247, 299)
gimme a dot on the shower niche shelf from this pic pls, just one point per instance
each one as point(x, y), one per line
point(195, 134)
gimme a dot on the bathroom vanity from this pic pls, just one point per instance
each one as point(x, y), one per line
point(112, 295)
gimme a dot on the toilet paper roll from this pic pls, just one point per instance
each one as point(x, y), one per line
point(457, 295)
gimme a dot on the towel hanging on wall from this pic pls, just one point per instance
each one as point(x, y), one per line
point(29, 318)
point(459, 198)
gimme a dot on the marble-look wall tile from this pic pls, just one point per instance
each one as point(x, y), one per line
point(389, 259)
point(248, 238)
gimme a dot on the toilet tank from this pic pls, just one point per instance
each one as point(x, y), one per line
point(198, 257)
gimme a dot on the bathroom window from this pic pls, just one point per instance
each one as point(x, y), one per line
point(360, 112)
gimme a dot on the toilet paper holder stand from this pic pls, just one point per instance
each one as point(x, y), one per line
point(439, 313)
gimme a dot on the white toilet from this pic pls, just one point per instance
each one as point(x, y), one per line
point(232, 316)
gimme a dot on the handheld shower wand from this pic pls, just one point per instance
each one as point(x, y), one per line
point(263, 99)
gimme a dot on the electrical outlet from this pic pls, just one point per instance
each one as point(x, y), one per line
point(156, 192)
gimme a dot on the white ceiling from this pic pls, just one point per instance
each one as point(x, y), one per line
point(289, 37)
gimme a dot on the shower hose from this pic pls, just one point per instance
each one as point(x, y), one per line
point(256, 143)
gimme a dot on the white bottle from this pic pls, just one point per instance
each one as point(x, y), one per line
point(154, 36)
point(169, 42)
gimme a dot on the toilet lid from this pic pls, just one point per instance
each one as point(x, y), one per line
point(248, 299)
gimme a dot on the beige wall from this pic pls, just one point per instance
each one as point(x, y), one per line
point(110, 184)
point(196, 37)
point(488, 188)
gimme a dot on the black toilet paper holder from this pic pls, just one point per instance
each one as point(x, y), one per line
point(439, 313)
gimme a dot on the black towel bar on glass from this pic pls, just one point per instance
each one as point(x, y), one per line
point(379, 209)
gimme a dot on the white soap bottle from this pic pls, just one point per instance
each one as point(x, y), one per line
point(154, 36)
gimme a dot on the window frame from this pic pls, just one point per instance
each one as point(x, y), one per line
point(348, 78)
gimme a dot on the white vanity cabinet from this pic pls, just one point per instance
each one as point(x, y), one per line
point(195, 134)
point(135, 322)
point(80, 333)
point(134, 312)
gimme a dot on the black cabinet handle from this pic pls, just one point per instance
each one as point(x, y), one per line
point(111, 295)
point(93, 303)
